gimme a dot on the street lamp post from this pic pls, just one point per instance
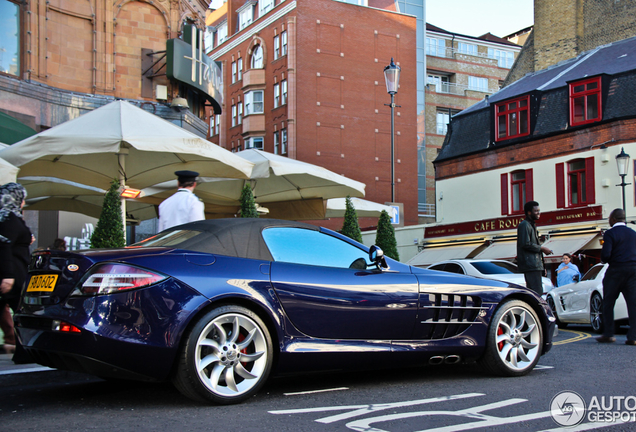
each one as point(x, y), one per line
point(622, 161)
point(392, 79)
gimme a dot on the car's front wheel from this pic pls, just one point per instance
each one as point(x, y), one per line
point(596, 312)
point(515, 340)
point(226, 357)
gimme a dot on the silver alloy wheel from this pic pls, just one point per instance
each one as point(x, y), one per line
point(231, 355)
point(596, 313)
point(518, 338)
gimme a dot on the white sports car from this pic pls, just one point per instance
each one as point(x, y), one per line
point(501, 270)
point(582, 302)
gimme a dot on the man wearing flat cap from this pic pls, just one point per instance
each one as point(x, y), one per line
point(184, 206)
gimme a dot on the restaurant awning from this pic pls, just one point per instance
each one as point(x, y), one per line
point(13, 130)
point(431, 255)
point(567, 244)
point(506, 250)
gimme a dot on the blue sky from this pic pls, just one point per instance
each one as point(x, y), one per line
point(477, 17)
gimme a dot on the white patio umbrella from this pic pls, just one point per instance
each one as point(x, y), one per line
point(121, 141)
point(279, 183)
point(336, 207)
point(8, 172)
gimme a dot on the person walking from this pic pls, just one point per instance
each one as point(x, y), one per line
point(529, 250)
point(567, 271)
point(184, 206)
point(15, 239)
point(619, 251)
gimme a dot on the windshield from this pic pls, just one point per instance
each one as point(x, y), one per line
point(592, 273)
point(495, 267)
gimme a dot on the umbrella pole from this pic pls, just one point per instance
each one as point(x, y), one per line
point(122, 183)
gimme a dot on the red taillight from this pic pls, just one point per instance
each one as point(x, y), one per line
point(109, 278)
point(65, 327)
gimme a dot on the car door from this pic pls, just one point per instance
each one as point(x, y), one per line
point(325, 298)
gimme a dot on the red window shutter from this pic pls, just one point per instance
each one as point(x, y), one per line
point(529, 186)
point(589, 181)
point(504, 194)
point(560, 185)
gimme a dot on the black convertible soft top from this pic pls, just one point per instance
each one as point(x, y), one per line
point(236, 237)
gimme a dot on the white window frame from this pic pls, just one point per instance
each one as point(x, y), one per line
point(217, 124)
point(283, 141)
point(441, 82)
point(257, 59)
point(504, 58)
point(442, 119)
point(239, 108)
point(246, 16)
point(283, 43)
point(221, 32)
point(233, 72)
point(276, 95)
point(276, 47)
point(233, 115)
point(264, 6)
point(276, 142)
point(254, 102)
point(239, 68)
point(467, 48)
point(435, 47)
point(283, 92)
point(254, 143)
point(478, 84)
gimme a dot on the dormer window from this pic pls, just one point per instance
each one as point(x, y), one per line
point(264, 6)
point(246, 14)
point(585, 101)
point(512, 118)
point(221, 33)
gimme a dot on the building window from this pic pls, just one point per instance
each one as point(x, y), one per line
point(221, 33)
point(436, 47)
point(239, 68)
point(208, 38)
point(254, 143)
point(443, 118)
point(276, 47)
point(276, 143)
point(283, 93)
point(238, 146)
point(276, 95)
point(233, 72)
point(10, 37)
point(233, 115)
point(441, 83)
point(246, 15)
point(283, 40)
point(512, 118)
point(239, 107)
point(283, 141)
point(264, 6)
point(505, 59)
point(254, 102)
point(585, 101)
point(257, 57)
point(212, 124)
point(478, 84)
point(579, 180)
point(521, 191)
point(466, 48)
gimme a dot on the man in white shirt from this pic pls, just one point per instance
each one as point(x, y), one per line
point(184, 206)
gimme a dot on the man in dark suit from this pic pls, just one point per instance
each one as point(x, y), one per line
point(619, 251)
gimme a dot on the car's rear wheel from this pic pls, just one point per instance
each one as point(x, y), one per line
point(596, 312)
point(515, 340)
point(226, 357)
point(550, 301)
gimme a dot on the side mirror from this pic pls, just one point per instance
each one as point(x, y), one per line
point(576, 278)
point(376, 256)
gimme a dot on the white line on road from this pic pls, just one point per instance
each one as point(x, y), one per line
point(316, 391)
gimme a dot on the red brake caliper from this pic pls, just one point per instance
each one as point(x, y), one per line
point(500, 345)
point(241, 338)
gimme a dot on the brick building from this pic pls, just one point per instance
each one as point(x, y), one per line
point(461, 70)
point(298, 83)
point(60, 59)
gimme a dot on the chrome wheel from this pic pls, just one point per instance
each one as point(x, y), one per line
point(596, 313)
point(227, 358)
point(515, 340)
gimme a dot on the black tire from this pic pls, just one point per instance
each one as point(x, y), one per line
point(226, 357)
point(596, 313)
point(560, 323)
point(515, 340)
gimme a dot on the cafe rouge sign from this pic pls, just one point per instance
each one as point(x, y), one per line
point(510, 222)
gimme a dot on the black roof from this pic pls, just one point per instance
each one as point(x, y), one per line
point(236, 237)
point(470, 130)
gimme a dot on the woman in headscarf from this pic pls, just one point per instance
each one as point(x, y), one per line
point(566, 271)
point(15, 239)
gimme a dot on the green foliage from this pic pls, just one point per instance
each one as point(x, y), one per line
point(248, 205)
point(110, 227)
point(350, 227)
point(385, 237)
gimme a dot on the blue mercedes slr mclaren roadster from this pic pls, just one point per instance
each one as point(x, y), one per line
point(218, 306)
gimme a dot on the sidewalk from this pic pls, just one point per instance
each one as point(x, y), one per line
point(7, 367)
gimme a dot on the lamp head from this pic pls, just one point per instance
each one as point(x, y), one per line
point(622, 162)
point(392, 77)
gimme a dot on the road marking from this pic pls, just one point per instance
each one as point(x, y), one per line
point(541, 367)
point(578, 336)
point(316, 391)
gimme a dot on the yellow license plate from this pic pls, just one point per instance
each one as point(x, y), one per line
point(42, 283)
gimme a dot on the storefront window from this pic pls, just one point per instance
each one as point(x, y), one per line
point(9, 37)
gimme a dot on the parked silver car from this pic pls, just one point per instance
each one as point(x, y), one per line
point(489, 269)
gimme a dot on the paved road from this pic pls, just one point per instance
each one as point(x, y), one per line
point(447, 398)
